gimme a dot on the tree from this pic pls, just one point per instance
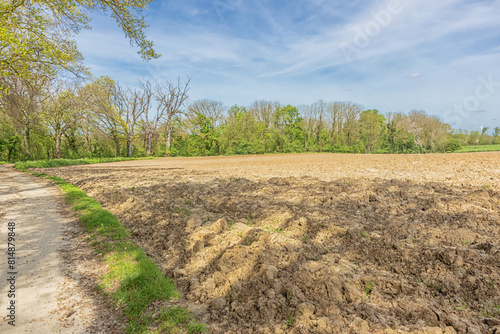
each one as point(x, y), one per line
point(204, 136)
point(37, 33)
point(496, 135)
point(398, 138)
point(291, 132)
point(170, 97)
point(21, 104)
point(213, 110)
point(61, 112)
point(102, 112)
point(263, 112)
point(151, 120)
point(314, 125)
point(8, 139)
point(372, 129)
point(132, 105)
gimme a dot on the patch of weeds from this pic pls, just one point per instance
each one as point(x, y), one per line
point(490, 311)
point(250, 221)
point(133, 188)
point(184, 211)
point(267, 229)
point(486, 186)
point(369, 287)
point(250, 240)
point(178, 319)
point(427, 284)
point(289, 295)
point(364, 234)
point(187, 202)
point(415, 241)
point(492, 283)
point(465, 242)
point(279, 230)
point(240, 234)
point(102, 247)
point(305, 238)
point(290, 322)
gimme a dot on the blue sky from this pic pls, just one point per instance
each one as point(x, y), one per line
point(399, 55)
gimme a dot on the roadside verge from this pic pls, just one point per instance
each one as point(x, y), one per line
point(133, 281)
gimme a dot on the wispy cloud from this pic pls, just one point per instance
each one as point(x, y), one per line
point(239, 50)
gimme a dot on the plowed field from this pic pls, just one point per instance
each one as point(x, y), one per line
point(318, 243)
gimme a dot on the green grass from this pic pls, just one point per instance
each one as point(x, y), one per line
point(369, 287)
point(133, 280)
point(23, 165)
point(479, 148)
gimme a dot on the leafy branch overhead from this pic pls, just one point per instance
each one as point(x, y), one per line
point(36, 36)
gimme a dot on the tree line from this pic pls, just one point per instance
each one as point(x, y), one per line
point(44, 117)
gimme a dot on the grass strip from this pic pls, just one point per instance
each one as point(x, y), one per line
point(479, 148)
point(133, 280)
point(24, 165)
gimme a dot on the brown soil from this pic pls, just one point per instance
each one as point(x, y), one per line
point(318, 243)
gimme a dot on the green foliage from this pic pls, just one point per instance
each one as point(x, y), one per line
point(11, 145)
point(453, 145)
point(369, 287)
point(372, 130)
point(37, 34)
point(91, 121)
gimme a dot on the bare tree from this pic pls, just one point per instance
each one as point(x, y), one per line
point(132, 104)
point(170, 98)
point(314, 121)
point(151, 120)
point(263, 111)
point(349, 113)
point(213, 110)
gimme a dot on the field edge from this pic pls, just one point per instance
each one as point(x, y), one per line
point(133, 281)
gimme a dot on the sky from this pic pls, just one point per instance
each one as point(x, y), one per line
point(442, 57)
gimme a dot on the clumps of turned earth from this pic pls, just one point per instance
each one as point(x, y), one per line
point(307, 255)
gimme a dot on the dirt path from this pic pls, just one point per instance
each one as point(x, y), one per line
point(48, 296)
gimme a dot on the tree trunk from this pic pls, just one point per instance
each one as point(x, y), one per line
point(169, 135)
point(27, 142)
point(129, 144)
point(117, 143)
point(150, 139)
point(57, 153)
point(89, 140)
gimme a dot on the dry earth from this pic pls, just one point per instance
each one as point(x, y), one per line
point(318, 243)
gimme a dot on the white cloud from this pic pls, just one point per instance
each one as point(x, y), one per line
point(259, 51)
